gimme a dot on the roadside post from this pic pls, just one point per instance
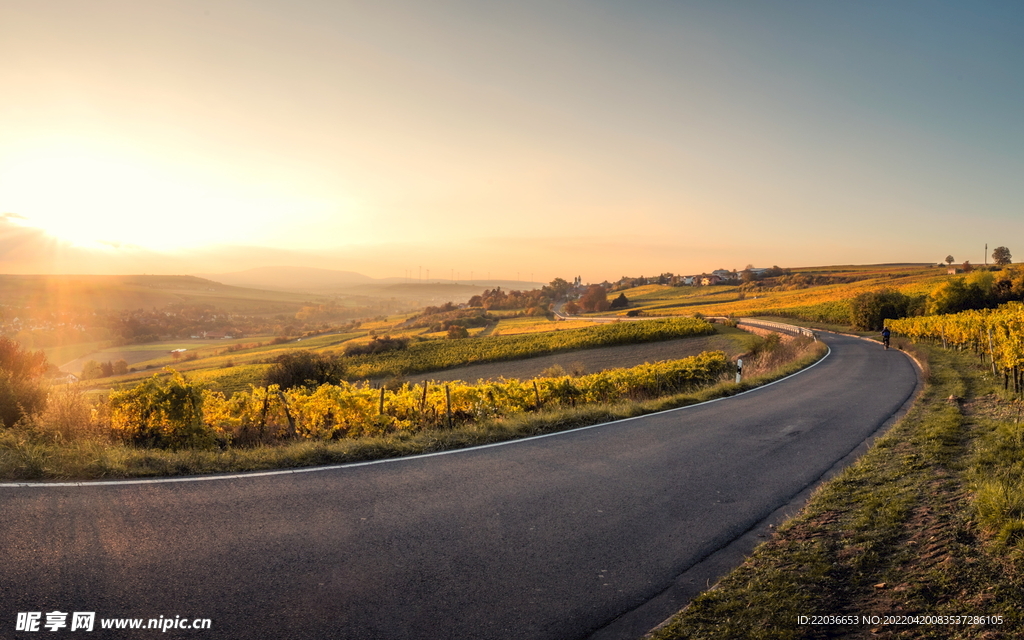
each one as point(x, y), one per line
point(739, 370)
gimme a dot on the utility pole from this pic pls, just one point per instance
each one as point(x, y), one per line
point(986, 254)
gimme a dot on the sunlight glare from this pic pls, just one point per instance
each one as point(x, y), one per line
point(94, 198)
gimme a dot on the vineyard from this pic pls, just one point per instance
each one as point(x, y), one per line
point(995, 335)
point(176, 413)
point(435, 355)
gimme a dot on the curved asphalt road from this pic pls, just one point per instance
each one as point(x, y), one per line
point(547, 538)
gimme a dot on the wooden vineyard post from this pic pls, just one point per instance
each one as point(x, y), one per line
point(288, 414)
point(423, 406)
point(381, 411)
point(536, 393)
point(263, 414)
point(991, 351)
point(448, 404)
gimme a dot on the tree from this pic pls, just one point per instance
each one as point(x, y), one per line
point(595, 299)
point(622, 302)
point(976, 291)
point(91, 370)
point(1001, 256)
point(967, 266)
point(950, 259)
point(559, 288)
point(571, 308)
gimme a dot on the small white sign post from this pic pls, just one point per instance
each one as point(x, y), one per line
point(739, 369)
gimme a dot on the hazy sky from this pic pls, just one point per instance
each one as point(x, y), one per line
point(548, 138)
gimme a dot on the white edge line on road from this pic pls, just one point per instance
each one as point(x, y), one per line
point(349, 465)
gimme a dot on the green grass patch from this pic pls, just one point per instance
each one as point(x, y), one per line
point(927, 523)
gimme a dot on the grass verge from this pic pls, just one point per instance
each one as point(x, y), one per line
point(918, 539)
point(24, 457)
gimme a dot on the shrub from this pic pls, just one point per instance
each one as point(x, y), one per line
point(68, 416)
point(871, 309)
point(554, 371)
point(162, 413)
point(455, 332)
point(304, 369)
point(377, 345)
point(21, 391)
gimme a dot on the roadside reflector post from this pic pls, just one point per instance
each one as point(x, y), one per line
point(739, 370)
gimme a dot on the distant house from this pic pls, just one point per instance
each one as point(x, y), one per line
point(954, 270)
point(724, 275)
point(710, 280)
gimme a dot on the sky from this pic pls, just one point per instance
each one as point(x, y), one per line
point(550, 138)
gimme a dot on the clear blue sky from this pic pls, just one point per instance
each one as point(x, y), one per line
point(554, 138)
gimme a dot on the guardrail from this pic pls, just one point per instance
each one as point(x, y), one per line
point(778, 326)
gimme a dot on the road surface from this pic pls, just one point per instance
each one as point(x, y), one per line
point(549, 538)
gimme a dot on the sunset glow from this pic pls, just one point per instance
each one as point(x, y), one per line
point(94, 197)
point(568, 138)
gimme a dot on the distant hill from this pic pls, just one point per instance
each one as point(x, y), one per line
point(291, 278)
point(53, 292)
point(350, 283)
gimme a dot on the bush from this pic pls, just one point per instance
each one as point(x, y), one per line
point(377, 345)
point(976, 291)
point(166, 414)
point(870, 310)
point(304, 369)
point(456, 332)
point(68, 416)
point(21, 391)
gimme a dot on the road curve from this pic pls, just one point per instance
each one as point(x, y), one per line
point(550, 538)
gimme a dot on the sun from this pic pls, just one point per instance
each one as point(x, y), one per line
point(94, 197)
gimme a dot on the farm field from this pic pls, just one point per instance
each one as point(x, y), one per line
point(730, 341)
point(214, 359)
point(816, 302)
point(233, 370)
